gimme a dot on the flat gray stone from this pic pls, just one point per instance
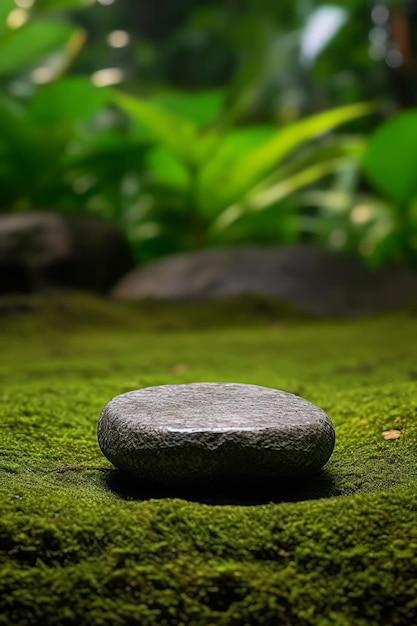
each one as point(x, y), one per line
point(199, 431)
point(312, 280)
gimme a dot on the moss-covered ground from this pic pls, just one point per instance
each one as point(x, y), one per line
point(81, 544)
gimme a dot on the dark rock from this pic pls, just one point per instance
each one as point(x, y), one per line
point(45, 250)
point(311, 279)
point(214, 431)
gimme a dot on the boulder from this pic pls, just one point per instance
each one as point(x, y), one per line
point(43, 250)
point(312, 280)
point(214, 431)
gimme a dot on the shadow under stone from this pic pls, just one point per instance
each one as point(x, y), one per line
point(314, 486)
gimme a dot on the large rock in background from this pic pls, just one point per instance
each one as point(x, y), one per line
point(43, 250)
point(311, 279)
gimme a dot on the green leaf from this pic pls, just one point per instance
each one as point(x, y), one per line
point(233, 145)
point(45, 5)
point(225, 183)
point(238, 142)
point(69, 99)
point(25, 47)
point(262, 199)
point(172, 131)
point(248, 170)
point(33, 157)
point(10, 109)
point(167, 169)
point(390, 161)
point(6, 6)
point(202, 108)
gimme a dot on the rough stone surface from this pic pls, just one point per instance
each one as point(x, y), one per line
point(188, 432)
point(43, 250)
point(313, 280)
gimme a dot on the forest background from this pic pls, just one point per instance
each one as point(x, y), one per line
point(195, 123)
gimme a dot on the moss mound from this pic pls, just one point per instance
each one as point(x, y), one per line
point(82, 544)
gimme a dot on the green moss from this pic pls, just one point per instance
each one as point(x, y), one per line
point(83, 545)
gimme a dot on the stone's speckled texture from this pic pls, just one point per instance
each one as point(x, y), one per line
point(215, 431)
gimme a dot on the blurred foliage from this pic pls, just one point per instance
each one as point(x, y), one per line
point(218, 175)
point(195, 123)
point(390, 165)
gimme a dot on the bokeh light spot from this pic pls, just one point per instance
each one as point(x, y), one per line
point(361, 214)
point(107, 77)
point(24, 4)
point(118, 39)
point(42, 75)
point(380, 14)
point(17, 18)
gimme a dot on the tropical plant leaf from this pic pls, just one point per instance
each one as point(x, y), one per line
point(25, 47)
point(261, 199)
point(11, 111)
point(61, 4)
point(231, 183)
point(258, 200)
point(176, 133)
point(250, 168)
point(69, 99)
point(202, 108)
point(236, 143)
point(167, 169)
point(6, 6)
point(232, 146)
point(390, 160)
point(33, 157)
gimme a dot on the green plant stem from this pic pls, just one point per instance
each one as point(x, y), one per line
point(197, 227)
